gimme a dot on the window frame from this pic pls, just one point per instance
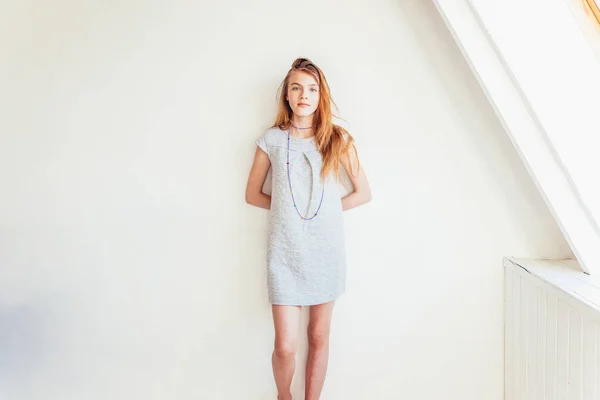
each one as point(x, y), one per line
point(493, 45)
point(593, 8)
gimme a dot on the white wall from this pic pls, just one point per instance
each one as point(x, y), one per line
point(130, 266)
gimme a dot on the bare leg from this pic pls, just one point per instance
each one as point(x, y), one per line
point(286, 320)
point(318, 349)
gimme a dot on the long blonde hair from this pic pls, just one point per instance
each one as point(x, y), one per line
point(333, 141)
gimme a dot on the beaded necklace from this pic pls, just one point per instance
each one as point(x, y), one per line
point(290, 180)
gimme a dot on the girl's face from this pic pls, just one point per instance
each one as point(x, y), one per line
point(303, 93)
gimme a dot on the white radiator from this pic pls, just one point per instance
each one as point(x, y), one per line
point(552, 331)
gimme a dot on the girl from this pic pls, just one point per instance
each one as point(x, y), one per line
point(306, 255)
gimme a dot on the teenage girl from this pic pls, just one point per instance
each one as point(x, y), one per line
point(306, 261)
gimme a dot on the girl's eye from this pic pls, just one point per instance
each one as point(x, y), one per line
point(312, 89)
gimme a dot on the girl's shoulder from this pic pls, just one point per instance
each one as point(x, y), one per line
point(274, 131)
point(273, 136)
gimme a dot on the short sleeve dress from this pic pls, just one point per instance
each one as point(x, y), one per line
point(306, 260)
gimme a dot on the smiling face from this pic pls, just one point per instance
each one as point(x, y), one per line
point(302, 93)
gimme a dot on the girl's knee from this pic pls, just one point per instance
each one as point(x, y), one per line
point(285, 349)
point(317, 337)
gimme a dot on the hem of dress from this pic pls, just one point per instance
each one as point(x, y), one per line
point(306, 303)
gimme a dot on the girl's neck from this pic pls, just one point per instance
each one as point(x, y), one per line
point(302, 122)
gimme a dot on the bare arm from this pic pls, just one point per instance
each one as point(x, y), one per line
point(256, 179)
point(362, 190)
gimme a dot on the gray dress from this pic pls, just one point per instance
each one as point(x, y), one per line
point(306, 261)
